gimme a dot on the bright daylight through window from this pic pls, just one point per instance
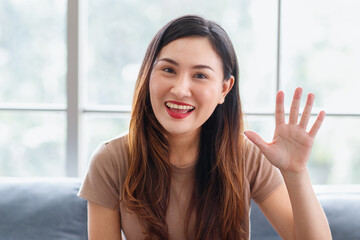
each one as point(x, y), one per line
point(303, 44)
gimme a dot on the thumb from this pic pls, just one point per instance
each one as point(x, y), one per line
point(257, 140)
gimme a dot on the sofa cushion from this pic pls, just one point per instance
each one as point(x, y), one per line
point(42, 209)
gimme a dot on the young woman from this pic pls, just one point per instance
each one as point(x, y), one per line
point(186, 170)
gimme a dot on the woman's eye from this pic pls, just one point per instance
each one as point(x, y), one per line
point(168, 70)
point(200, 75)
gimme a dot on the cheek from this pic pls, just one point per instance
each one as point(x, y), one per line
point(210, 95)
point(156, 89)
point(152, 92)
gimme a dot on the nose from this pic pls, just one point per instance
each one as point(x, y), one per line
point(181, 87)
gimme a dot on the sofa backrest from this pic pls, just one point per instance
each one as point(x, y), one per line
point(42, 209)
point(45, 209)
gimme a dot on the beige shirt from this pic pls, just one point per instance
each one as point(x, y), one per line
point(108, 168)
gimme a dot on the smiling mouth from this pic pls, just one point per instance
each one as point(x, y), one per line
point(179, 108)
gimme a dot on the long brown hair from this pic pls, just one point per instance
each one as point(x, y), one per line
point(217, 197)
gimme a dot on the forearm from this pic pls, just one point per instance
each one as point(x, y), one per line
point(309, 218)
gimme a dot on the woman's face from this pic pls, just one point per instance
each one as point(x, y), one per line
point(186, 84)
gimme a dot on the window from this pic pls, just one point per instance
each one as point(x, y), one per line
point(320, 52)
point(32, 88)
point(54, 111)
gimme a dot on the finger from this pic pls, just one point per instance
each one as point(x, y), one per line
point(279, 110)
point(305, 116)
point(317, 124)
point(294, 110)
point(257, 140)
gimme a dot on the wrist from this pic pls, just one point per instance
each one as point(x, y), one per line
point(290, 176)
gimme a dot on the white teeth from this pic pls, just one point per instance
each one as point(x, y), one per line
point(181, 107)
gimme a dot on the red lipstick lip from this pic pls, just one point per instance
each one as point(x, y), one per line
point(179, 103)
point(177, 115)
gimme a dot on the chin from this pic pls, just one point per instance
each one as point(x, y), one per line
point(175, 131)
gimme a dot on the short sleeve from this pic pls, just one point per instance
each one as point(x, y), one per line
point(263, 177)
point(101, 183)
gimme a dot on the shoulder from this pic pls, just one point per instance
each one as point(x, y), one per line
point(114, 148)
point(118, 147)
point(111, 156)
point(252, 157)
point(106, 172)
point(254, 160)
point(260, 174)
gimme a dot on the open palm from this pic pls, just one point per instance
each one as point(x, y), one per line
point(291, 146)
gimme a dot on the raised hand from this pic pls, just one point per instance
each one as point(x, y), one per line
point(291, 146)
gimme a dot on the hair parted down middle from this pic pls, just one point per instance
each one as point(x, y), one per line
point(217, 198)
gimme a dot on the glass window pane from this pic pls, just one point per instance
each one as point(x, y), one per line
point(98, 128)
point(118, 40)
point(336, 154)
point(335, 157)
point(321, 51)
point(32, 51)
point(263, 125)
point(32, 144)
point(255, 39)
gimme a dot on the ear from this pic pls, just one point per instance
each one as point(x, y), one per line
point(227, 86)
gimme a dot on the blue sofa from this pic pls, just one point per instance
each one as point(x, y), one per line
point(42, 209)
point(48, 209)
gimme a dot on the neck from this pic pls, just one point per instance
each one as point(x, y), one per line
point(184, 149)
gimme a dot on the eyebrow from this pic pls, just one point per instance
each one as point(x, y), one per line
point(199, 66)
